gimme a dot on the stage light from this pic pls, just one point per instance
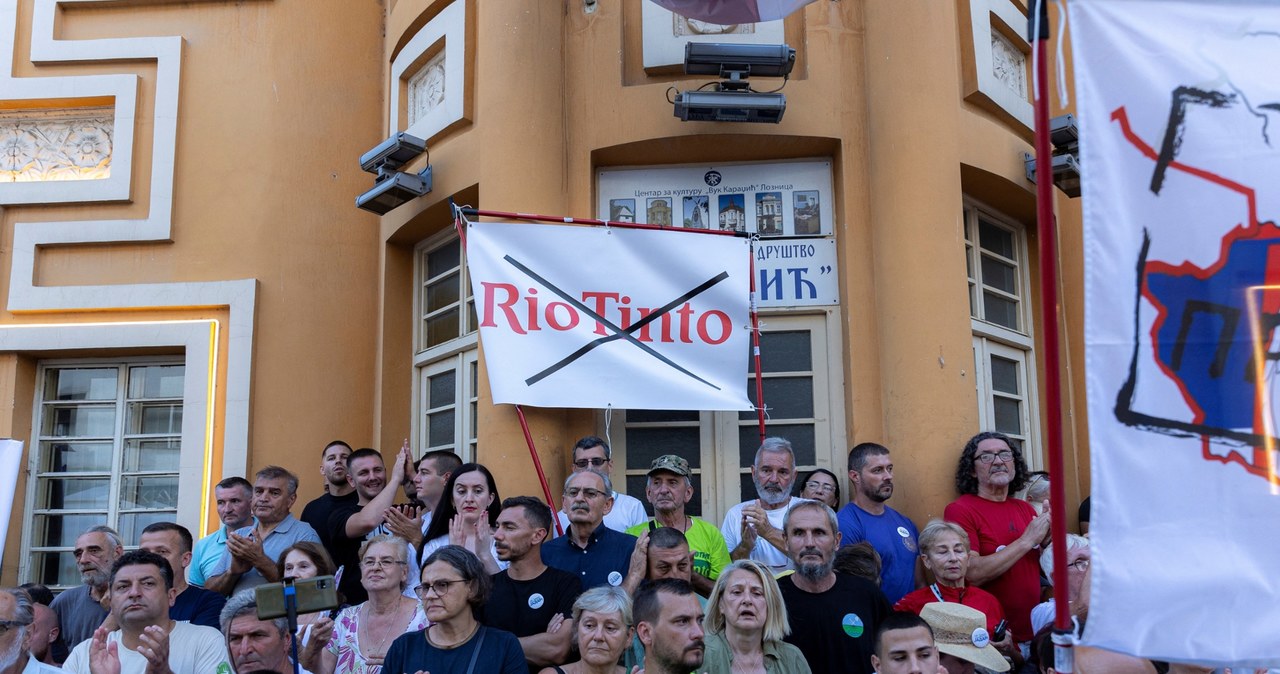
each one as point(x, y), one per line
point(393, 187)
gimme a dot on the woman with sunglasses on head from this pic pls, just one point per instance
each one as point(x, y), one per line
point(823, 486)
point(357, 640)
point(454, 587)
point(944, 551)
point(466, 516)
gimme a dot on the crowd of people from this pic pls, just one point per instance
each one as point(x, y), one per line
point(435, 572)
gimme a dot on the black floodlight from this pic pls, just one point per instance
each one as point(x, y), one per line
point(394, 189)
point(730, 106)
point(738, 60)
point(393, 153)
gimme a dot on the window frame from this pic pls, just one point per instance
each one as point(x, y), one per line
point(460, 353)
point(186, 510)
point(989, 338)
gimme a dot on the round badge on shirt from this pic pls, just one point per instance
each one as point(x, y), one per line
point(980, 638)
point(852, 625)
point(1000, 547)
point(902, 531)
point(615, 578)
point(535, 600)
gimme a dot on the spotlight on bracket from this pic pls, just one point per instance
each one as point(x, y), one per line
point(1065, 162)
point(732, 99)
point(393, 187)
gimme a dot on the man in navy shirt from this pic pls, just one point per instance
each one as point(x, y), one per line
point(591, 551)
point(193, 604)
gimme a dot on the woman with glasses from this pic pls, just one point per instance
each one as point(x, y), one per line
point(455, 586)
point(301, 561)
point(602, 618)
point(823, 486)
point(944, 551)
point(745, 625)
point(467, 514)
point(357, 641)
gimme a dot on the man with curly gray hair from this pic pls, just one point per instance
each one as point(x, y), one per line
point(1005, 533)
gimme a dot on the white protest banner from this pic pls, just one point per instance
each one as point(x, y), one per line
point(10, 469)
point(596, 317)
point(1179, 113)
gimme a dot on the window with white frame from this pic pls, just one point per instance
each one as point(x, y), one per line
point(802, 400)
point(107, 442)
point(995, 257)
point(446, 355)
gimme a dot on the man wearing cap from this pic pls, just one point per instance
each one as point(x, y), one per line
point(961, 634)
point(669, 491)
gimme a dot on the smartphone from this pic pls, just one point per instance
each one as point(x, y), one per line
point(311, 595)
point(998, 636)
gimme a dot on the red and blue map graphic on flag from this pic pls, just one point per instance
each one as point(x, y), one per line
point(1213, 331)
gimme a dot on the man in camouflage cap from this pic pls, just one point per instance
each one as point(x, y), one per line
point(669, 491)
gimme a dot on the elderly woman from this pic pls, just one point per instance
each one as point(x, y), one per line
point(745, 624)
point(466, 516)
point(301, 561)
point(357, 641)
point(454, 586)
point(821, 485)
point(602, 616)
point(944, 551)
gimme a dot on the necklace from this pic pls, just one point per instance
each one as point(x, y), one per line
point(474, 628)
point(372, 652)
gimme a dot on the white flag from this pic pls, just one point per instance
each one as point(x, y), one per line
point(1179, 111)
point(595, 317)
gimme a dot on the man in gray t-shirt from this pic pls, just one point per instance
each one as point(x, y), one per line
point(79, 609)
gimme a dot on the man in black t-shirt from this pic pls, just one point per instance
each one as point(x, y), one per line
point(834, 617)
point(350, 524)
point(337, 491)
point(530, 599)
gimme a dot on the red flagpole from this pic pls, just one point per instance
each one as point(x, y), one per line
point(1049, 318)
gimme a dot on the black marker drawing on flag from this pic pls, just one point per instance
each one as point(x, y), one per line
point(618, 333)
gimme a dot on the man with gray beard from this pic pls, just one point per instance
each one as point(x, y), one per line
point(753, 529)
point(80, 609)
point(834, 617)
point(16, 616)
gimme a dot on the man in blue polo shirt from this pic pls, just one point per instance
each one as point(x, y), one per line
point(867, 518)
point(590, 550)
point(234, 498)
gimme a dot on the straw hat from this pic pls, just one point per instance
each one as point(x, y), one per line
point(961, 631)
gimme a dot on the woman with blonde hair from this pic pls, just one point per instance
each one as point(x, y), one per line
point(745, 625)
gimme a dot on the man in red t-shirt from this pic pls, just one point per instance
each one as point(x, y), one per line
point(1005, 534)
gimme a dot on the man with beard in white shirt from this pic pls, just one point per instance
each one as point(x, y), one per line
point(753, 529)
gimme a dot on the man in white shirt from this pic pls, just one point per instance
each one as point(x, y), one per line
point(753, 529)
point(148, 641)
point(592, 453)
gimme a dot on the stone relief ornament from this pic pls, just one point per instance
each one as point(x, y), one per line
point(55, 145)
point(1008, 64)
point(426, 88)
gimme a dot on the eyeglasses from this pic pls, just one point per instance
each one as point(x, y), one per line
point(594, 463)
point(6, 625)
point(990, 457)
point(572, 492)
point(820, 487)
point(379, 563)
point(1080, 565)
point(441, 587)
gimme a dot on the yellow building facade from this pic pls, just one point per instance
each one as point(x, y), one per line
point(192, 294)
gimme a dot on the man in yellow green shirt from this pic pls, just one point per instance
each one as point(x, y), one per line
point(668, 491)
